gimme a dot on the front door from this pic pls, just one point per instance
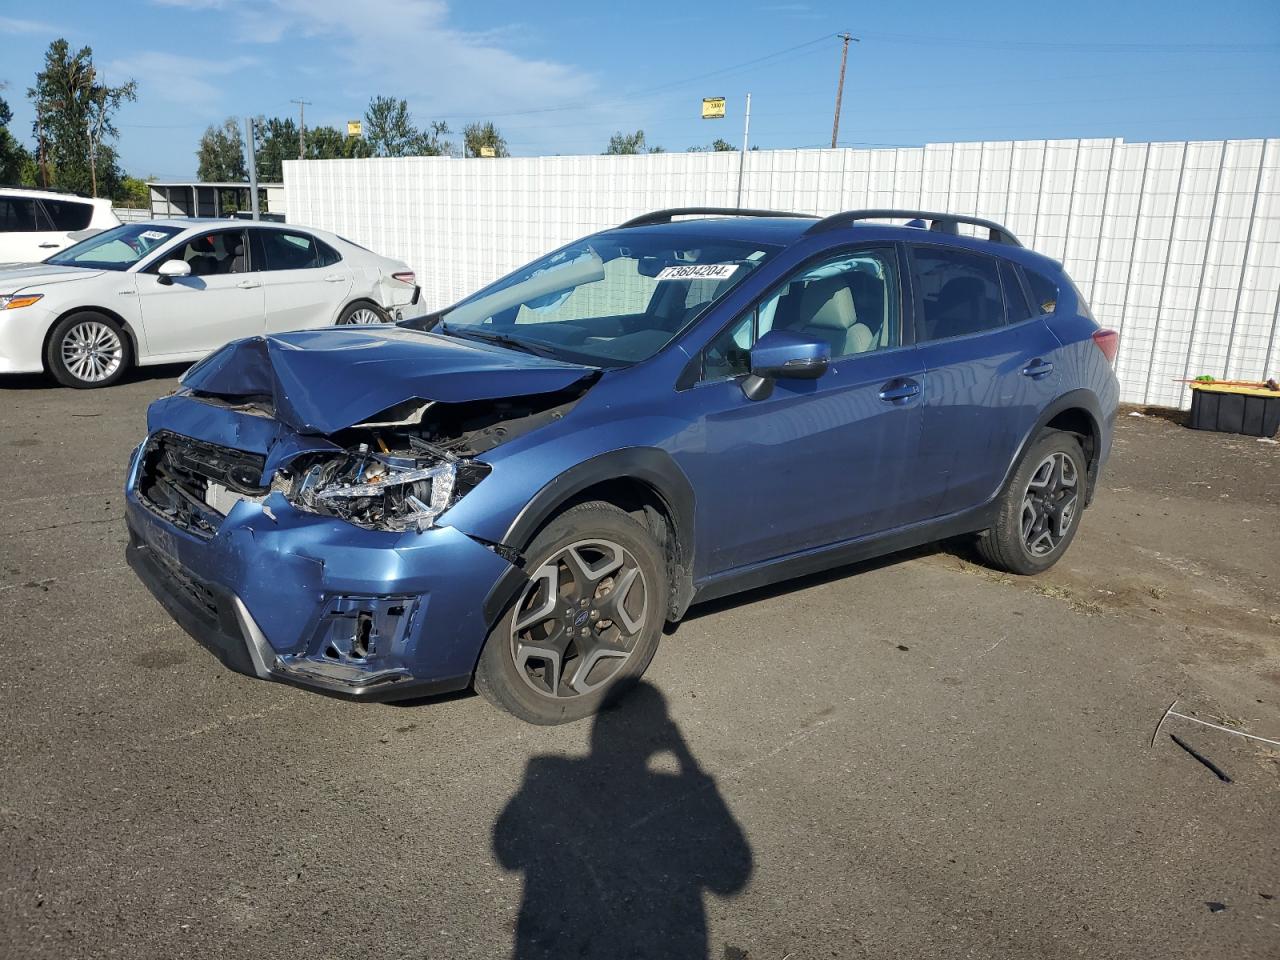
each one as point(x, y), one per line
point(221, 301)
point(819, 461)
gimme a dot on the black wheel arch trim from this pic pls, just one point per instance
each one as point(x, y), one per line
point(647, 465)
point(1080, 399)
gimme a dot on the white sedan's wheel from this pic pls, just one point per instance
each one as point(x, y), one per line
point(92, 351)
point(88, 350)
point(362, 313)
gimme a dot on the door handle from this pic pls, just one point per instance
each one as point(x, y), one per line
point(1037, 369)
point(249, 284)
point(334, 278)
point(49, 246)
point(899, 391)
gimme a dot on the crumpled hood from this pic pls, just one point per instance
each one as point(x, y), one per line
point(23, 276)
point(323, 381)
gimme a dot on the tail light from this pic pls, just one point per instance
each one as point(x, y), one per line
point(1108, 341)
point(406, 276)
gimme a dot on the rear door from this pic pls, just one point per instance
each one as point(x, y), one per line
point(988, 373)
point(222, 300)
point(306, 280)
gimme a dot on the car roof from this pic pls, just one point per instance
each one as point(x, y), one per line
point(784, 230)
point(39, 194)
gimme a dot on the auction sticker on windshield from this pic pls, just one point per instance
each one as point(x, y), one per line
point(699, 271)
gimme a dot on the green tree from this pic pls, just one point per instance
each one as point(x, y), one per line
point(389, 131)
point(13, 156)
point(327, 143)
point(220, 155)
point(717, 146)
point(275, 141)
point(134, 192)
point(478, 135)
point(74, 125)
point(629, 143)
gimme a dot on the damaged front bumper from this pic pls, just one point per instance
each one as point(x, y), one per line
point(318, 603)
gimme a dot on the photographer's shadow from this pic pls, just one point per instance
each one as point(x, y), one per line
point(617, 847)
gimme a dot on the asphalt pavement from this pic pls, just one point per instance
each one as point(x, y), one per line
point(909, 758)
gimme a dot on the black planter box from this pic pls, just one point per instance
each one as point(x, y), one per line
point(1229, 412)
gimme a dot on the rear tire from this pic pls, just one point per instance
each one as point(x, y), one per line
point(88, 350)
point(363, 312)
point(1039, 510)
point(586, 626)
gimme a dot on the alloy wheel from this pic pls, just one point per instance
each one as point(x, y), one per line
point(365, 315)
point(1049, 504)
point(577, 623)
point(92, 351)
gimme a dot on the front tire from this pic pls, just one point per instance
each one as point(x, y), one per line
point(1039, 509)
point(363, 312)
point(88, 350)
point(587, 624)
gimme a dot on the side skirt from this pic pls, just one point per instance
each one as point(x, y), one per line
point(840, 554)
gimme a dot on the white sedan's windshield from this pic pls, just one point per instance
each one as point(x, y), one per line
point(618, 297)
point(116, 249)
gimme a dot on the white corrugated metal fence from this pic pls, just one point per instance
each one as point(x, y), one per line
point(1177, 245)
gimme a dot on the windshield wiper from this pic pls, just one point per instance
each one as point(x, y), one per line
point(501, 339)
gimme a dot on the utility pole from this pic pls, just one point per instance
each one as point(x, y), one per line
point(742, 160)
point(844, 58)
point(302, 127)
point(253, 166)
point(44, 163)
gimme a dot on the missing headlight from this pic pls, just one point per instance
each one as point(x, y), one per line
point(391, 490)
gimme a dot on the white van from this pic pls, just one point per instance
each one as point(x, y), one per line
point(35, 224)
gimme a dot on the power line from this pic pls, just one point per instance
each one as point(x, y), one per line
point(644, 91)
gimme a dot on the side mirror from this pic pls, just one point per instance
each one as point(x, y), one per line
point(173, 268)
point(782, 355)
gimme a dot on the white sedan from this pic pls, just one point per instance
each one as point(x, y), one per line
point(170, 291)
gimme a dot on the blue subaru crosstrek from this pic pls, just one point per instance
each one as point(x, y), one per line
point(519, 491)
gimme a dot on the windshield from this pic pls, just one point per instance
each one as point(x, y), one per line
point(616, 298)
point(116, 249)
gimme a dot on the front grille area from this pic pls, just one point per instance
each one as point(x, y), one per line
point(176, 474)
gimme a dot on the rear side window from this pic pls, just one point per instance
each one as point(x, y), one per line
point(959, 293)
point(1044, 292)
point(20, 215)
point(283, 250)
point(67, 214)
point(1015, 301)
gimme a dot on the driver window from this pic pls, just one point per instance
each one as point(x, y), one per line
point(213, 254)
point(850, 301)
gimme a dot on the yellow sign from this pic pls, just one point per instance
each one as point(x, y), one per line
point(713, 108)
point(355, 128)
point(488, 152)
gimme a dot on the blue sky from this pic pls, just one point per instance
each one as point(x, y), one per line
point(559, 77)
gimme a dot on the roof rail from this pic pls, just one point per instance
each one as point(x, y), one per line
point(52, 190)
point(666, 216)
point(940, 222)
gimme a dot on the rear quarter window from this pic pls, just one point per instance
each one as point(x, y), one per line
point(1044, 291)
point(68, 214)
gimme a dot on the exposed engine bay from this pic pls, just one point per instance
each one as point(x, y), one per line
point(398, 471)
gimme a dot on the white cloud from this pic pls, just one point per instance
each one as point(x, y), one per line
point(15, 25)
point(410, 49)
point(173, 78)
